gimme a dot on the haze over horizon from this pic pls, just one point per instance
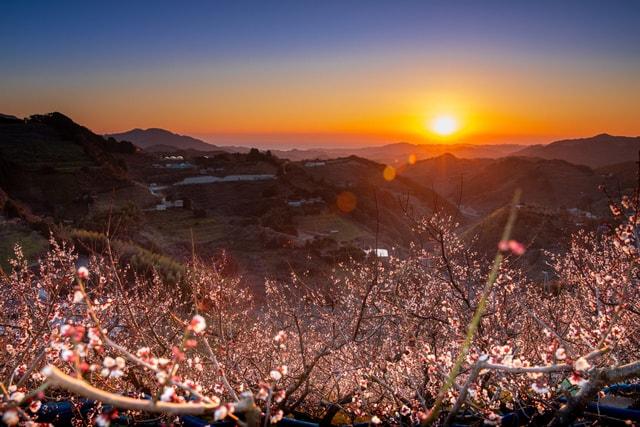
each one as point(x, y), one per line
point(302, 74)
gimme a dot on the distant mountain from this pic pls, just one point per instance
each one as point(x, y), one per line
point(597, 151)
point(157, 140)
point(397, 154)
point(148, 139)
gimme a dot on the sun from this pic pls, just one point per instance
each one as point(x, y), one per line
point(444, 125)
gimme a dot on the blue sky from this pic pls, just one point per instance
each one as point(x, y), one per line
point(128, 32)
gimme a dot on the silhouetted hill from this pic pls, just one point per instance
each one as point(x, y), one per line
point(445, 173)
point(483, 185)
point(379, 199)
point(147, 139)
point(596, 151)
point(52, 164)
point(8, 118)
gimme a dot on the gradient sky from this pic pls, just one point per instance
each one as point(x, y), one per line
point(283, 73)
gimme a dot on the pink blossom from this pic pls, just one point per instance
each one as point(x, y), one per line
point(576, 379)
point(263, 392)
point(113, 367)
point(512, 245)
point(493, 419)
point(35, 406)
point(516, 247)
point(279, 396)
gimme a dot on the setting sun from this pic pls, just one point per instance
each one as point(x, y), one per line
point(444, 125)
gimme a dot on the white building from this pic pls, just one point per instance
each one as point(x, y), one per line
point(379, 252)
point(209, 179)
point(303, 202)
point(167, 204)
point(314, 164)
point(181, 165)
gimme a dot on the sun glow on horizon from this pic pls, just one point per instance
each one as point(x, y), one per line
point(444, 125)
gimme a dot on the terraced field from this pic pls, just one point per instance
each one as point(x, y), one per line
point(332, 225)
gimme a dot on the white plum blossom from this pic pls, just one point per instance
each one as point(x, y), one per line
point(77, 297)
point(277, 417)
point(220, 413)
point(168, 394)
point(539, 389)
point(275, 375)
point(103, 420)
point(109, 362)
point(197, 324)
point(161, 377)
point(113, 368)
point(83, 273)
point(10, 417)
point(561, 353)
point(17, 396)
point(581, 364)
point(409, 322)
point(67, 355)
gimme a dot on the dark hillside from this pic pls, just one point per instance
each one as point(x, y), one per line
point(597, 151)
point(55, 165)
point(483, 185)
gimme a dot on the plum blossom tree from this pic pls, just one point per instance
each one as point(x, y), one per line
point(415, 339)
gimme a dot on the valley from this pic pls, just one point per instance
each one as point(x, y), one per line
point(272, 217)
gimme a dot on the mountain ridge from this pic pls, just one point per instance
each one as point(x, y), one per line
point(147, 138)
point(595, 151)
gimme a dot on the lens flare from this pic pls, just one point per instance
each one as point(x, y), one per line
point(389, 173)
point(346, 201)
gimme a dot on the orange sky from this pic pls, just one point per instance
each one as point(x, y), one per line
point(327, 79)
point(364, 101)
